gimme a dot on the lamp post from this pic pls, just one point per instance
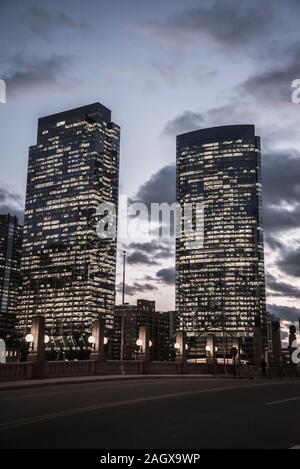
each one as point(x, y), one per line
point(143, 343)
point(138, 344)
point(29, 338)
point(122, 319)
point(97, 340)
point(180, 346)
point(36, 339)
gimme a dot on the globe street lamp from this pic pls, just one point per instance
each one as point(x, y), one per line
point(139, 342)
point(29, 338)
point(91, 339)
point(208, 350)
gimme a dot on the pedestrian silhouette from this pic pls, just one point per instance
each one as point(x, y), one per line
point(263, 365)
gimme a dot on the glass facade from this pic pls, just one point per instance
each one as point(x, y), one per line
point(68, 271)
point(220, 287)
point(10, 279)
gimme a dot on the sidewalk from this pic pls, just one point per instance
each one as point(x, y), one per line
point(37, 383)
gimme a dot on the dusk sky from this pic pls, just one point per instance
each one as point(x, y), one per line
point(163, 68)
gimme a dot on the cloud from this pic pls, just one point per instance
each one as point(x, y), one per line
point(287, 313)
point(273, 243)
point(185, 122)
point(160, 187)
point(280, 219)
point(229, 23)
point(203, 73)
point(281, 191)
point(267, 87)
point(167, 72)
point(223, 21)
point(149, 247)
point(233, 112)
point(29, 73)
point(281, 176)
point(11, 202)
point(140, 258)
point(290, 261)
point(281, 197)
point(284, 336)
point(41, 21)
point(157, 250)
point(281, 288)
point(165, 254)
point(136, 288)
point(274, 85)
point(6, 193)
point(166, 276)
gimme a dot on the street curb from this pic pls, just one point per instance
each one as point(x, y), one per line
point(15, 385)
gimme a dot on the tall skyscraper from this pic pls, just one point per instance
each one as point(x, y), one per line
point(10, 279)
point(68, 271)
point(220, 287)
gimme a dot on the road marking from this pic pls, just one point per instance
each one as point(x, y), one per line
point(282, 401)
point(81, 410)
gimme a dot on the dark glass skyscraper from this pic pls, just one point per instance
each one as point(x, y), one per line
point(68, 271)
point(220, 286)
point(10, 279)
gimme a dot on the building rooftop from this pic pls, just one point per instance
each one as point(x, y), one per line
point(95, 110)
point(217, 133)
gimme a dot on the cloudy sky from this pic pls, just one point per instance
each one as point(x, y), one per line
point(162, 67)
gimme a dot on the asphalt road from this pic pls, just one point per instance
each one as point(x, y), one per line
point(163, 413)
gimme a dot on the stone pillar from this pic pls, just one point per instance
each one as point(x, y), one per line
point(258, 352)
point(210, 348)
point(144, 338)
point(292, 336)
point(2, 351)
point(276, 343)
point(292, 340)
point(37, 347)
point(181, 350)
point(97, 352)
